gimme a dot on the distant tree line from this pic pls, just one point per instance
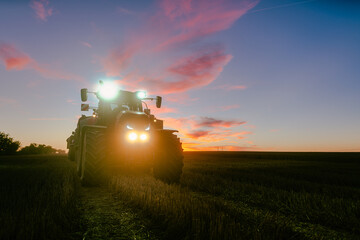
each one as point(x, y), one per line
point(9, 146)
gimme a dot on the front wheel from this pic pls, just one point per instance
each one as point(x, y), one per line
point(168, 158)
point(92, 158)
point(71, 154)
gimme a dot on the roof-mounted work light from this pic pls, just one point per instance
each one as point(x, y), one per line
point(108, 90)
point(141, 94)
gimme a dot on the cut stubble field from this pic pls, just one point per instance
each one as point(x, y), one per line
point(222, 195)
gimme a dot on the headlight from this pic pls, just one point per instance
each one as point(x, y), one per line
point(108, 91)
point(132, 136)
point(136, 137)
point(143, 137)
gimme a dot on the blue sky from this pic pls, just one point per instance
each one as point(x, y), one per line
point(237, 75)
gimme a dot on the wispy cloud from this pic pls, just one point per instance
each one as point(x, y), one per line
point(213, 122)
point(167, 40)
point(197, 134)
point(16, 60)
point(198, 147)
point(228, 87)
point(124, 11)
point(202, 132)
point(86, 44)
point(12, 58)
point(229, 107)
point(281, 6)
point(192, 20)
point(168, 55)
point(4, 101)
point(42, 9)
point(72, 102)
point(162, 110)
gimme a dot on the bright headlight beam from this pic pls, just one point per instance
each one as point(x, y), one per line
point(132, 136)
point(141, 94)
point(108, 90)
point(143, 137)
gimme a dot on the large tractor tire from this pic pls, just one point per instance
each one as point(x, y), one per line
point(71, 154)
point(93, 157)
point(78, 160)
point(168, 162)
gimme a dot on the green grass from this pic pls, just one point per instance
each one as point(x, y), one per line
point(222, 195)
point(37, 197)
point(254, 195)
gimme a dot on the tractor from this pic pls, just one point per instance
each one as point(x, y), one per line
point(123, 134)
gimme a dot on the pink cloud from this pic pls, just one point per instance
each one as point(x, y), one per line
point(173, 9)
point(197, 134)
point(163, 110)
point(191, 20)
point(200, 139)
point(245, 133)
point(212, 122)
point(42, 9)
point(14, 59)
point(118, 60)
point(55, 74)
point(197, 147)
point(167, 55)
point(226, 108)
point(193, 71)
point(156, 43)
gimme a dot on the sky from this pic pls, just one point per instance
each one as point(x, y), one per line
point(235, 75)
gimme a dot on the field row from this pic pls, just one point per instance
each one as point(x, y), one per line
point(222, 197)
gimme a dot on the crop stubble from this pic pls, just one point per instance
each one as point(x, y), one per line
point(222, 195)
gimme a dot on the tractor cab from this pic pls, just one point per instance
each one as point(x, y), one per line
point(119, 106)
point(112, 99)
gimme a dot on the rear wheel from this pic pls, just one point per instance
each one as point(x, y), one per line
point(92, 158)
point(169, 158)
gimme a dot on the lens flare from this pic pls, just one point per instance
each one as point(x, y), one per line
point(141, 94)
point(108, 91)
point(143, 137)
point(132, 136)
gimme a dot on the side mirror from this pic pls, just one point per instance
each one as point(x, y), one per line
point(84, 94)
point(84, 107)
point(158, 101)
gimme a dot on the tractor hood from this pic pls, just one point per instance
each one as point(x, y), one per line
point(134, 120)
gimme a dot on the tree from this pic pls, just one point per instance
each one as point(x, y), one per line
point(7, 144)
point(34, 148)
